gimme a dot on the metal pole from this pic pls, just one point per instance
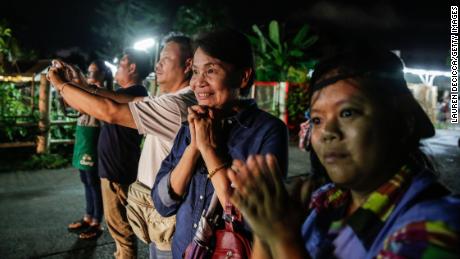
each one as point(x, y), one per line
point(156, 90)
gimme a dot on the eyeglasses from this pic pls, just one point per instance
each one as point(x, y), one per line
point(91, 74)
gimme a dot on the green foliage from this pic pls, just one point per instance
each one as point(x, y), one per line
point(13, 100)
point(10, 51)
point(5, 35)
point(46, 161)
point(279, 58)
point(203, 15)
point(14, 107)
point(124, 22)
point(297, 101)
point(5, 39)
point(57, 113)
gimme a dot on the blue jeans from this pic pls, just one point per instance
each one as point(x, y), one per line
point(158, 254)
point(92, 184)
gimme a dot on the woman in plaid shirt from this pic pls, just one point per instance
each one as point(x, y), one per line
point(384, 200)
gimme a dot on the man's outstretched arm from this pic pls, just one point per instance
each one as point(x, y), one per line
point(100, 107)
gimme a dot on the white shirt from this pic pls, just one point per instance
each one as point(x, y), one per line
point(160, 118)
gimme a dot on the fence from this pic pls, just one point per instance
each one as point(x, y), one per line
point(288, 101)
point(274, 97)
point(47, 99)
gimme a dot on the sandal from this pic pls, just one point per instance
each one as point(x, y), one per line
point(92, 232)
point(78, 226)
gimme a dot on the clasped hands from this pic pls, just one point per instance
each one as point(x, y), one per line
point(259, 193)
point(203, 125)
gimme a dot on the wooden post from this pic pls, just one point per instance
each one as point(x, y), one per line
point(44, 121)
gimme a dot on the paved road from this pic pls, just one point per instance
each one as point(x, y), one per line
point(445, 152)
point(35, 207)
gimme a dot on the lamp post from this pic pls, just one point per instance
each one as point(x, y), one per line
point(146, 45)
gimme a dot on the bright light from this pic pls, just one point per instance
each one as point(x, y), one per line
point(144, 44)
point(426, 72)
point(15, 78)
point(427, 76)
point(115, 60)
point(111, 66)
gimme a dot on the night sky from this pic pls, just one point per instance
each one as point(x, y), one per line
point(420, 29)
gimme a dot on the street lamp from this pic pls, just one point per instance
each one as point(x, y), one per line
point(112, 67)
point(147, 44)
point(144, 44)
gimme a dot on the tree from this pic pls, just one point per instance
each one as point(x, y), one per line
point(5, 36)
point(282, 58)
point(124, 22)
point(204, 15)
point(10, 51)
point(279, 58)
point(9, 48)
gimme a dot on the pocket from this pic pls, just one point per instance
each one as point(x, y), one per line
point(145, 220)
point(161, 229)
point(137, 223)
point(136, 212)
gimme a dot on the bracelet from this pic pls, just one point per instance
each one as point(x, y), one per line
point(61, 86)
point(213, 172)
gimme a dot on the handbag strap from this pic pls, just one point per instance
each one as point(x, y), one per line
point(232, 216)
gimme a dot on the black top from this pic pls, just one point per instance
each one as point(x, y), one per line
point(119, 147)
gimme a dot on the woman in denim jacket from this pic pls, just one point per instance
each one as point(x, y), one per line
point(224, 126)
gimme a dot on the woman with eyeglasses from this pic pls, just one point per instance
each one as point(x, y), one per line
point(85, 158)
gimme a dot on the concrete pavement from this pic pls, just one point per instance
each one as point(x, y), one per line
point(35, 208)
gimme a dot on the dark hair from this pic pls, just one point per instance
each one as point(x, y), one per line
point(141, 59)
point(383, 68)
point(229, 46)
point(380, 75)
point(185, 45)
point(106, 72)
